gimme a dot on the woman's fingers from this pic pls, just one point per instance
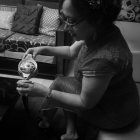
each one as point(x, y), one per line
point(24, 85)
point(22, 82)
point(32, 51)
point(25, 54)
point(29, 51)
point(24, 88)
point(30, 88)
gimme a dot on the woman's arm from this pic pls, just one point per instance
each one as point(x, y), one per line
point(93, 88)
point(61, 51)
point(64, 51)
point(92, 91)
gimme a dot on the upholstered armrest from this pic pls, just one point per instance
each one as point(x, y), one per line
point(131, 32)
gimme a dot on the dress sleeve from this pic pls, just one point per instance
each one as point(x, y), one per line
point(98, 67)
point(107, 61)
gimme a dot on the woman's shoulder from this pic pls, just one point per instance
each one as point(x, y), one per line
point(112, 54)
point(113, 47)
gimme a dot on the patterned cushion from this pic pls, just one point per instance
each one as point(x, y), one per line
point(27, 19)
point(130, 11)
point(3, 35)
point(49, 21)
point(21, 42)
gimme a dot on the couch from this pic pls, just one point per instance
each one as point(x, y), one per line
point(13, 45)
point(129, 24)
point(16, 36)
point(131, 32)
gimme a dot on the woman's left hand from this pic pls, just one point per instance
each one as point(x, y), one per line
point(27, 87)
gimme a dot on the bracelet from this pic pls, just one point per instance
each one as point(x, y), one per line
point(49, 94)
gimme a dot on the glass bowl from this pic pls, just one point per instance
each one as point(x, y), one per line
point(27, 68)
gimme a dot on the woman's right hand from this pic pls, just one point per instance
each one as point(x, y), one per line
point(32, 89)
point(33, 51)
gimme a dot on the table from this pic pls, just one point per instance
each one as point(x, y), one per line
point(5, 108)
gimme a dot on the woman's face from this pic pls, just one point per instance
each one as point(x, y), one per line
point(78, 27)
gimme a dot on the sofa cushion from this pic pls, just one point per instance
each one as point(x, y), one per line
point(3, 35)
point(130, 11)
point(21, 42)
point(6, 16)
point(26, 19)
point(49, 21)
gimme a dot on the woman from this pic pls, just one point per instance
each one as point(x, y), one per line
point(102, 91)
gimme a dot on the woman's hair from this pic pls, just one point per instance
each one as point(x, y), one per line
point(97, 11)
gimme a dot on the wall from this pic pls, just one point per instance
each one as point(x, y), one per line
point(11, 2)
point(44, 0)
point(15, 2)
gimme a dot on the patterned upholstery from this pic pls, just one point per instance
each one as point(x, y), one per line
point(3, 35)
point(20, 38)
point(13, 44)
point(130, 11)
point(49, 21)
point(20, 42)
point(26, 19)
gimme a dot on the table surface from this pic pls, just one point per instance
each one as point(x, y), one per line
point(38, 80)
point(5, 108)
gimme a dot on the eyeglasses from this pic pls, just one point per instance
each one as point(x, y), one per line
point(69, 20)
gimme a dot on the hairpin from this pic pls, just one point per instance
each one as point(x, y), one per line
point(94, 3)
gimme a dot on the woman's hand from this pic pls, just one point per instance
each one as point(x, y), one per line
point(33, 51)
point(27, 87)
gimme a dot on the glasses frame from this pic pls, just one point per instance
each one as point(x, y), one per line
point(67, 21)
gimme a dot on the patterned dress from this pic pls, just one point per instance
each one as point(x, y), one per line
point(109, 55)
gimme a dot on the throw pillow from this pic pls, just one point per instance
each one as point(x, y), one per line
point(49, 21)
point(130, 11)
point(6, 18)
point(26, 19)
